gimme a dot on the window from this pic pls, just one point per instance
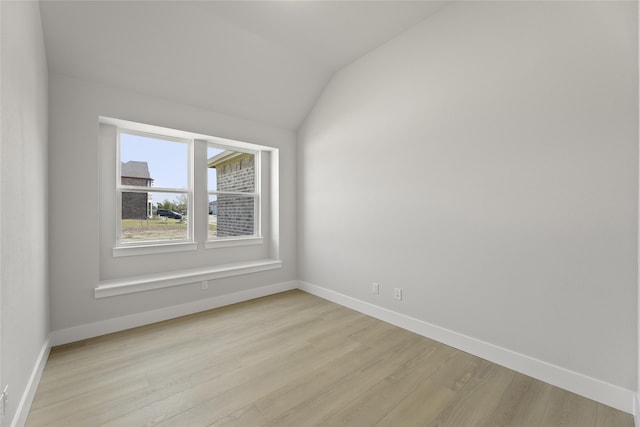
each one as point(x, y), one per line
point(189, 207)
point(233, 200)
point(154, 189)
point(176, 193)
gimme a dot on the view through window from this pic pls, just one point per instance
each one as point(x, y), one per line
point(232, 196)
point(156, 194)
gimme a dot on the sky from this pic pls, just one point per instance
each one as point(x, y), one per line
point(167, 160)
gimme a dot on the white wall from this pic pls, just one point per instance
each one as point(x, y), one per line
point(486, 161)
point(24, 311)
point(74, 211)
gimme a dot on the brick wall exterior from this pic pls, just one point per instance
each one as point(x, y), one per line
point(134, 205)
point(236, 213)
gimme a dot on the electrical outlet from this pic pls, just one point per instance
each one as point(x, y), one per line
point(204, 285)
point(375, 288)
point(397, 294)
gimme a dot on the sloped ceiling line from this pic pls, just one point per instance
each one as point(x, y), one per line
point(264, 61)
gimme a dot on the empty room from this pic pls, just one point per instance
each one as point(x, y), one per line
point(319, 213)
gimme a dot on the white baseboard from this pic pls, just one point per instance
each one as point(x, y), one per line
point(26, 400)
point(592, 388)
point(77, 333)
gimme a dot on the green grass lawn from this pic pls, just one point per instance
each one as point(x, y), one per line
point(162, 229)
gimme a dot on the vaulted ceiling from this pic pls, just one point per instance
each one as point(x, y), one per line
point(266, 61)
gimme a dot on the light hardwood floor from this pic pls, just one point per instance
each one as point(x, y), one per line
point(292, 359)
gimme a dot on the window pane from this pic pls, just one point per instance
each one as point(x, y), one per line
point(146, 161)
point(230, 171)
point(154, 216)
point(231, 216)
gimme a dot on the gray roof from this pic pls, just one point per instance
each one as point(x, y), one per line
point(134, 169)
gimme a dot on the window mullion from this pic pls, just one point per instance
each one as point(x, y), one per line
point(232, 193)
point(141, 189)
point(199, 187)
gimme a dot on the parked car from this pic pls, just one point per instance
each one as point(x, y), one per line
point(168, 213)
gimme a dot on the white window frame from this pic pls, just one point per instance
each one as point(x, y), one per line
point(208, 265)
point(256, 238)
point(197, 193)
point(120, 188)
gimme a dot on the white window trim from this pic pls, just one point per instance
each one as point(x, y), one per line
point(108, 288)
point(194, 241)
point(256, 238)
point(158, 248)
point(145, 282)
point(235, 241)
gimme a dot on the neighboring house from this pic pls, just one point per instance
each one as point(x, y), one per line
point(136, 205)
point(235, 173)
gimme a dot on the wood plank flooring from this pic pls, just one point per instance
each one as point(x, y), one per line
point(292, 359)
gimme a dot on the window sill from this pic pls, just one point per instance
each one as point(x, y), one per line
point(154, 249)
point(236, 241)
point(108, 288)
